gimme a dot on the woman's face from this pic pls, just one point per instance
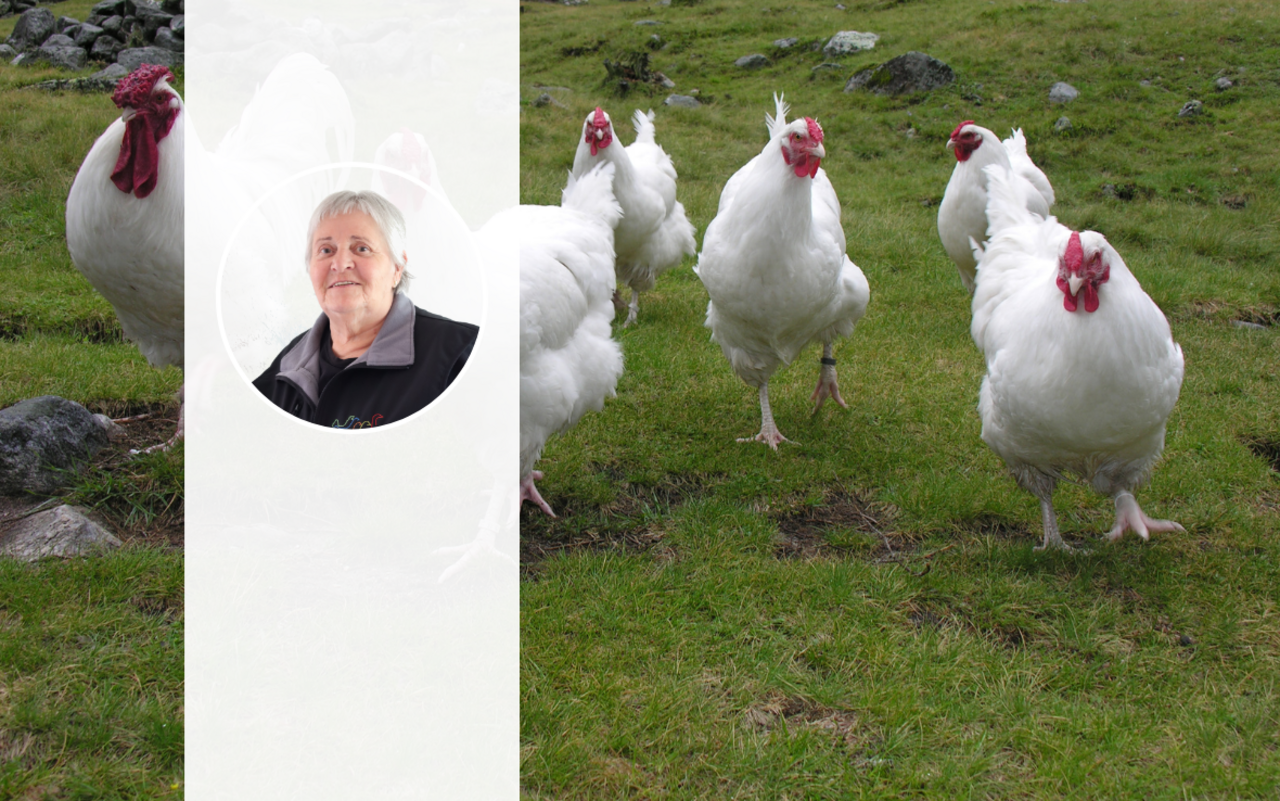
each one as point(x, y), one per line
point(352, 271)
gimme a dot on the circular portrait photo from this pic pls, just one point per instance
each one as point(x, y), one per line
point(351, 297)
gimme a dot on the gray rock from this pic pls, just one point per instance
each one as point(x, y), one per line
point(1191, 108)
point(784, 44)
point(115, 431)
point(1062, 92)
point(7, 53)
point(752, 61)
point(87, 35)
point(167, 39)
point(174, 6)
point(681, 101)
point(1063, 124)
point(113, 73)
point(112, 24)
point(108, 7)
point(648, 22)
point(106, 48)
point(32, 28)
point(152, 17)
point(1223, 83)
point(71, 30)
point(666, 82)
point(541, 100)
point(1144, 83)
point(1248, 325)
point(910, 72)
point(64, 531)
point(846, 42)
point(135, 57)
point(42, 441)
point(63, 57)
point(23, 59)
point(179, 26)
point(59, 40)
point(65, 22)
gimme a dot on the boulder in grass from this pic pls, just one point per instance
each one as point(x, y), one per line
point(87, 35)
point(906, 74)
point(846, 42)
point(106, 48)
point(67, 58)
point(1062, 92)
point(167, 39)
point(65, 531)
point(43, 442)
point(135, 57)
point(682, 101)
point(32, 28)
point(753, 61)
point(109, 7)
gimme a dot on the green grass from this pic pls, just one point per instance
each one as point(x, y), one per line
point(690, 631)
point(91, 650)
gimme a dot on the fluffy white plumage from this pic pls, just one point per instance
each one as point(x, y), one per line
point(773, 261)
point(654, 234)
point(130, 244)
point(569, 362)
point(1087, 391)
point(131, 248)
point(962, 215)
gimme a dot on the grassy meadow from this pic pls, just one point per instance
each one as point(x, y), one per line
point(861, 614)
point(91, 650)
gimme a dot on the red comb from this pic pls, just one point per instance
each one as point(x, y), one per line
point(135, 88)
point(815, 130)
point(599, 120)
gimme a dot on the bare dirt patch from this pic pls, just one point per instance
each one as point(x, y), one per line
point(805, 532)
point(634, 520)
point(792, 713)
point(1266, 448)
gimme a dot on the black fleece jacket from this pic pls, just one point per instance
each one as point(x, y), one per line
point(414, 357)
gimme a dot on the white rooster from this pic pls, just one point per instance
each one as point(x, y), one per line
point(773, 261)
point(1082, 371)
point(125, 217)
point(654, 234)
point(569, 362)
point(963, 212)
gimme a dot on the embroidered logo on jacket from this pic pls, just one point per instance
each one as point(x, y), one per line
point(355, 422)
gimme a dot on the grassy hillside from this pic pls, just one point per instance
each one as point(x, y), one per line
point(861, 615)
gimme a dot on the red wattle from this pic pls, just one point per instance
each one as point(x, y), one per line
point(1068, 300)
point(1090, 297)
point(137, 168)
point(813, 167)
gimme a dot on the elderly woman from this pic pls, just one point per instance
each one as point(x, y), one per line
point(372, 357)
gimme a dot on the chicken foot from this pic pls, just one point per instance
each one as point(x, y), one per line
point(528, 492)
point(827, 382)
point(1130, 516)
point(769, 433)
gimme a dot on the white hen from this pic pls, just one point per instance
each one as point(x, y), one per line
point(569, 362)
point(654, 234)
point(773, 261)
point(1082, 371)
point(962, 215)
point(125, 216)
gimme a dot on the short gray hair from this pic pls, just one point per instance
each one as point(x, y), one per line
point(384, 214)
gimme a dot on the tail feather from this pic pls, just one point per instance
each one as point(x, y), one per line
point(643, 123)
point(592, 194)
point(778, 122)
point(1006, 204)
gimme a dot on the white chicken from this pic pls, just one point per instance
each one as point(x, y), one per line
point(1082, 371)
point(569, 362)
point(654, 234)
point(407, 152)
point(773, 261)
point(963, 212)
point(125, 217)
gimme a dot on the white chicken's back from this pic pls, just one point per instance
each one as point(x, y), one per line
point(569, 363)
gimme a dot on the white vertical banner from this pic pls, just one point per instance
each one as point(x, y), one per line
point(352, 596)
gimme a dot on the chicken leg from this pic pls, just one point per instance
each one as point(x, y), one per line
point(827, 382)
point(1042, 486)
point(769, 433)
point(1129, 516)
point(177, 435)
point(528, 492)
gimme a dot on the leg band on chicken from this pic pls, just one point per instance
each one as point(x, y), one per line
point(827, 382)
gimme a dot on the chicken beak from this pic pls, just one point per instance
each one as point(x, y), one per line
point(818, 151)
point(951, 144)
point(1074, 281)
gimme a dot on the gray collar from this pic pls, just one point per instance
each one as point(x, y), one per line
point(393, 347)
